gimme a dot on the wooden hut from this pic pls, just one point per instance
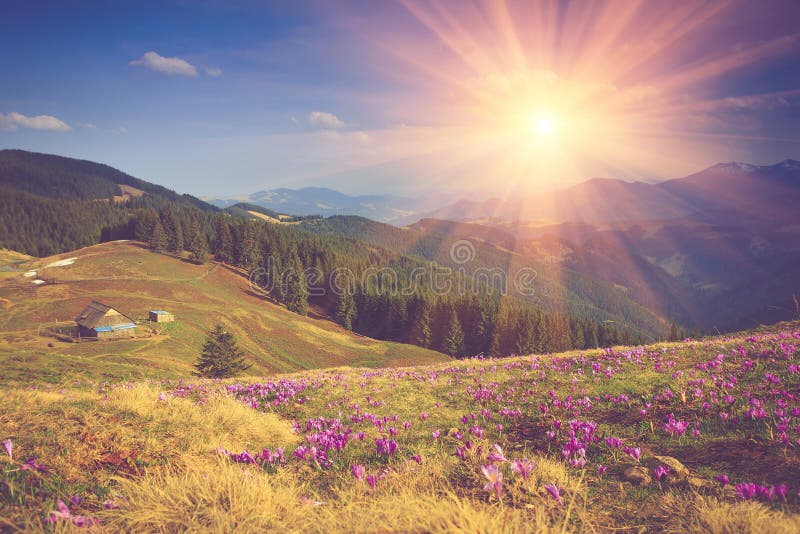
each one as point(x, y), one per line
point(104, 322)
point(161, 316)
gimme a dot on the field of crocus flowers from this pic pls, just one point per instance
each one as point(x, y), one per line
point(695, 436)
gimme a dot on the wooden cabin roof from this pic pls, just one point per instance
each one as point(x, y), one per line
point(98, 314)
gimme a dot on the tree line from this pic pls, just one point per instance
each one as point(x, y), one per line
point(384, 295)
point(393, 298)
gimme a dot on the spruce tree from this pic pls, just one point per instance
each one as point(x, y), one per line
point(453, 341)
point(345, 310)
point(526, 341)
point(673, 332)
point(220, 357)
point(174, 231)
point(295, 284)
point(196, 243)
point(421, 334)
point(223, 244)
point(158, 238)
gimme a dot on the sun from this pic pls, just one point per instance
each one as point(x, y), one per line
point(543, 125)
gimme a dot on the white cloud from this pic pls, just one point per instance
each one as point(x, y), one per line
point(323, 119)
point(14, 120)
point(214, 72)
point(168, 65)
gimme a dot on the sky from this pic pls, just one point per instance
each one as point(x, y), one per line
point(493, 98)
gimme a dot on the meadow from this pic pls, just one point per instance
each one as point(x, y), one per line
point(132, 279)
point(696, 436)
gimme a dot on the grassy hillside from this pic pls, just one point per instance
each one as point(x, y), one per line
point(697, 436)
point(128, 277)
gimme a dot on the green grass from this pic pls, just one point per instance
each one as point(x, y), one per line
point(134, 280)
point(151, 447)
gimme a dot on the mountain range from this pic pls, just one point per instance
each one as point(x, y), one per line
point(718, 249)
point(327, 202)
point(723, 192)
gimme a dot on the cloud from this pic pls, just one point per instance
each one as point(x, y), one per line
point(168, 65)
point(214, 72)
point(14, 120)
point(323, 119)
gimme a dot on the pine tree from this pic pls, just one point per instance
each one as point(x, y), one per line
point(196, 243)
point(345, 310)
point(220, 357)
point(453, 341)
point(245, 246)
point(223, 243)
point(158, 238)
point(174, 231)
point(144, 224)
point(673, 332)
point(295, 283)
point(421, 334)
point(578, 342)
point(525, 342)
point(590, 335)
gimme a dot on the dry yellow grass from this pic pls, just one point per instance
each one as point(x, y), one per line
point(220, 497)
point(708, 514)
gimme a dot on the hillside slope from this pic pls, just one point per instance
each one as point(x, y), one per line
point(51, 176)
point(554, 287)
point(134, 280)
point(671, 437)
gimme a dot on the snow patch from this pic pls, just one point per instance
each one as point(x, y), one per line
point(38, 282)
point(29, 274)
point(61, 263)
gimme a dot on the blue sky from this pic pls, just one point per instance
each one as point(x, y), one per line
point(223, 98)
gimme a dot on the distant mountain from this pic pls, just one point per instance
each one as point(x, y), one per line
point(729, 191)
point(769, 192)
point(716, 249)
point(253, 211)
point(327, 202)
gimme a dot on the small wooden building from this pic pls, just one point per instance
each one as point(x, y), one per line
point(104, 322)
point(161, 316)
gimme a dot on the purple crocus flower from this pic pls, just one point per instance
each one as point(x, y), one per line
point(554, 491)
point(31, 465)
point(722, 479)
point(601, 470)
point(523, 467)
point(8, 445)
point(496, 456)
point(661, 472)
point(495, 479)
point(386, 446)
point(358, 471)
point(371, 481)
point(61, 513)
point(633, 452)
